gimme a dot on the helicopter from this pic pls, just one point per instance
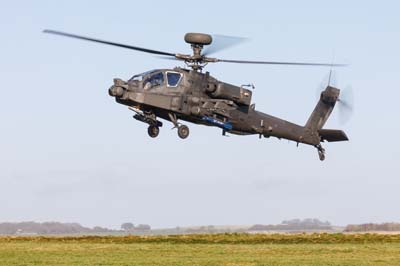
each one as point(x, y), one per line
point(191, 95)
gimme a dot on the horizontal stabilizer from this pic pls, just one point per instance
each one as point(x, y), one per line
point(332, 135)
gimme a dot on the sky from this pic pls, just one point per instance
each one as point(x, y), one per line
point(69, 153)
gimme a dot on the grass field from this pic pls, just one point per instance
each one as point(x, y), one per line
point(219, 249)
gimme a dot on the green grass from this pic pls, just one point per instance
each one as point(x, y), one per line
point(220, 249)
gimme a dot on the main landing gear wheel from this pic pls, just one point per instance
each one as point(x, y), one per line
point(183, 131)
point(153, 131)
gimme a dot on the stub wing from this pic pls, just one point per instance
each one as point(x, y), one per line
point(332, 135)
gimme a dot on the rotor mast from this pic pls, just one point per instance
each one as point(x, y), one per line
point(197, 42)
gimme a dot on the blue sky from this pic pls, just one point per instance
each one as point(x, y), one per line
point(69, 153)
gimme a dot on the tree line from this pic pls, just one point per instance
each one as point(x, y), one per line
point(48, 228)
point(372, 227)
point(294, 224)
point(129, 227)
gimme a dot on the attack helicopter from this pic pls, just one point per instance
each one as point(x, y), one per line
point(189, 94)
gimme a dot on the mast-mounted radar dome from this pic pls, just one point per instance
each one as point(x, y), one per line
point(198, 38)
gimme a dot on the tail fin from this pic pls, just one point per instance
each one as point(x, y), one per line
point(323, 109)
point(318, 118)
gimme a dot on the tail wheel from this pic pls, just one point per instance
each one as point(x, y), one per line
point(321, 156)
point(321, 152)
point(183, 131)
point(153, 131)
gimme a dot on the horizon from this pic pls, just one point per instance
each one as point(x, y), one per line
point(190, 225)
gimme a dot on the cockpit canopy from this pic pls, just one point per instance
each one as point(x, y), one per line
point(155, 78)
point(140, 76)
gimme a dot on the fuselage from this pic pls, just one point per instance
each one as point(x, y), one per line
point(200, 98)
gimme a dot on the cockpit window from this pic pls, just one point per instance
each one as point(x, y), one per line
point(154, 80)
point(142, 75)
point(173, 79)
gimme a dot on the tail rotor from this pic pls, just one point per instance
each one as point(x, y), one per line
point(346, 104)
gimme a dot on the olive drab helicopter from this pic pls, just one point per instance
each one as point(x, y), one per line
point(189, 94)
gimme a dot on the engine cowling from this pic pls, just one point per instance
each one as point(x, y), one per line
point(231, 92)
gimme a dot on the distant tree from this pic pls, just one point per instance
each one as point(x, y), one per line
point(98, 229)
point(210, 228)
point(127, 226)
point(293, 221)
point(143, 227)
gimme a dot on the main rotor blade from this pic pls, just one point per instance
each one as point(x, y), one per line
point(222, 42)
point(109, 43)
point(279, 63)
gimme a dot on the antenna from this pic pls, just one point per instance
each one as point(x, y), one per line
point(330, 74)
point(330, 71)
